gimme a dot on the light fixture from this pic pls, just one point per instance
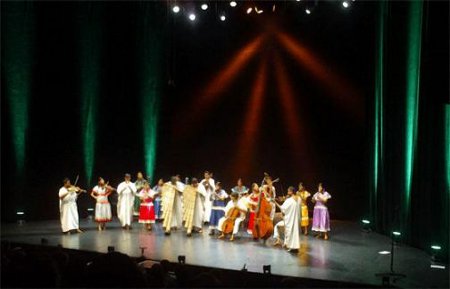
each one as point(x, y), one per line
point(192, 17)
point(436, 247)
point(396, 233)
point(223, 17)
point(176, 9)
point(20, 213)
point(20, 217)
point(366, 226)
point(384, 252)
point(249, 10)
point(258, 11)
point(307, 11)
point(204, 6)
point(233, 3)
point(345, 4)
point(273, 8)
point(365, 221)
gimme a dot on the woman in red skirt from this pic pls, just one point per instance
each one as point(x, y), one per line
point(147, 210)
point(253, 204)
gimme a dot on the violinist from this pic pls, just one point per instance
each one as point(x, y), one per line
point(68, 195)
point(234, 215)
point(102, 207)
point(291, 223)
point(217, 209)
point(269, 192)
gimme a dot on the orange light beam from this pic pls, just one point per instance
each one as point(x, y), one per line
point(251, 126)
point(346, 95)
point(210, 94)
point(297, 131)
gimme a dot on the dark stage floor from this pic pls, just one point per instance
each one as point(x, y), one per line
point(350, 255)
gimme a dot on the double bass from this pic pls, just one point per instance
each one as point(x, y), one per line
point(263, 227)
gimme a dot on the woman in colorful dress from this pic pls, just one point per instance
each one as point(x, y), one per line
point(102, 208)
point(304, 195)
point(146, 210)
point(252, 201)
point(321, 216)
point(218, 207)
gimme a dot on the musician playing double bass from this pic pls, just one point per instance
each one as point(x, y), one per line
point(269, 192)
point(68, 195)
point(234, 214)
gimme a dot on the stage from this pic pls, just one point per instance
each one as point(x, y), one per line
point(350, 255)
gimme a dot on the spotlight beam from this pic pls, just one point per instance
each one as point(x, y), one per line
point(344, 94)
point(251, 127)
point(293, 121)
point(210, 94)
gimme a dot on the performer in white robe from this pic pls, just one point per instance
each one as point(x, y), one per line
point(210, 187)
point(240, 204)
point(291, 210)
point(199, 206)
point(68, 195)
point(125, 203)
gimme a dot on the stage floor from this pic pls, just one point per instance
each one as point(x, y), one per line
point(349, 255)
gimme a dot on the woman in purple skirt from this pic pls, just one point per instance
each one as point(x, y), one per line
point(321, 217)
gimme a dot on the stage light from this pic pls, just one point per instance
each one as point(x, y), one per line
point(192, 16)
point(182, 259)
point(267, 269)
point(307, 11)
point(176, 9)
point(233, 3)
point(436, 254)
point(297, 0)
point(273, 8)
point(249, 10)
point(20, 213)
point(258, 11)
point(436, 247)
point(396, 233)
point(204, 6)
point(384, 252)
point(90, 209)
point(434, 266)
point(223, 18)
point(345, 4)
point(366, 227)
point(20, 217)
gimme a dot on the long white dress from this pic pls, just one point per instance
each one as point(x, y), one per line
point(68, 210)
point(125, 202)
point(208, 202)
point(199, 206)
point(292, 214)
point(102, 206)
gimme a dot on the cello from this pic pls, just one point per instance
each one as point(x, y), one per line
point(263, 227)
point(228, 224)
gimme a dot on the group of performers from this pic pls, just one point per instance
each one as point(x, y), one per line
point(192, 205)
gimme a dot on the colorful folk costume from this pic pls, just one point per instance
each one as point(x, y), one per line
point(146, 210)
point(172, 208)
point(210, 187)
point(321, 216)
point(218, 208)
point(241, 190)
point(304, 195)
point(270, 194)
point(126, 191)
point(139, 183)
point(291, 211)
point(252, 201)
point(157, 202)
point(102, 206)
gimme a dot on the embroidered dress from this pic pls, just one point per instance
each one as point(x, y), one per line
point(321, 216)
point(305, 218)
point(102, 207)
point(146, 210)
point(218, 208)
point(251, 217)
